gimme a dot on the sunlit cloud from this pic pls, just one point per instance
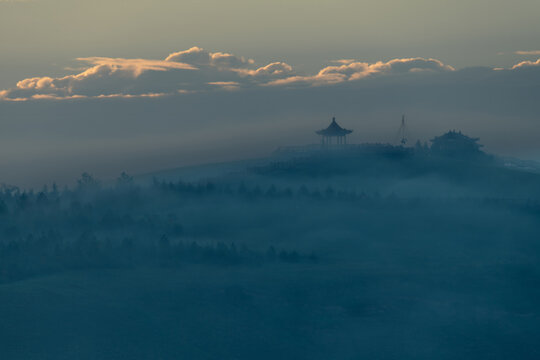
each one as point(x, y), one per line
point(525, 64)
point(353, 70)
point(227, 85)
point(105, 77)
point(74, 97)
point(271, 70)
point(343, 61)
point(131, 96)
point(136, 66)
point(200, 57)
point(55, 97)
point(527, 52)
point(198, 70)
point(183, 72)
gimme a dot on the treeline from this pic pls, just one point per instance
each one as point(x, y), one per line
point(96, 226)
point(51, 253)
point(329, 193)
point(92, 207)
point(83, 203)
point(172, 223)
point(244, 191)
point(149, 211)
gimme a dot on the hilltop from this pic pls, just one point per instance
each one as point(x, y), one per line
point(308, 253)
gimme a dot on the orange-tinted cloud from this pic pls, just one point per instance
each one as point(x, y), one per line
point(200, 57)
point(185, 71)
point(525, 64)
point(527, 52)
point(136, 66)
point(105, 76)
point(271, 70)
point(195, 70)
point(352, 70)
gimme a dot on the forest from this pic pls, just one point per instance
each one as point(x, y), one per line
point(315, 256)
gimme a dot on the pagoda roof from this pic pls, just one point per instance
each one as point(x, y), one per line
point(454, 136)
point(334, 130)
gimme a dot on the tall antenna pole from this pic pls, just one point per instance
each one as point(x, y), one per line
point(401, 137)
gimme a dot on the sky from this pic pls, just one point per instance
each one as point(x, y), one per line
point(111, 86)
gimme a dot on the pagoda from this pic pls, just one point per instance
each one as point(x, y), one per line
point(333, 131)
point(454, 143)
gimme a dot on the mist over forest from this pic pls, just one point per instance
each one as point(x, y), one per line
point(361, 251)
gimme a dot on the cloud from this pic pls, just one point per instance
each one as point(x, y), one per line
point(202, 58)
point(526, 64)
point(527, 52)
point(103, 77)
point(185, 71)
point(227, 85)
point(343, 61)
point(353, 70)
point(199, 70)
point(272, 70)
point(136, 67)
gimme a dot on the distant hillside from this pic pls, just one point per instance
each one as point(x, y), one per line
point(375, 168)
